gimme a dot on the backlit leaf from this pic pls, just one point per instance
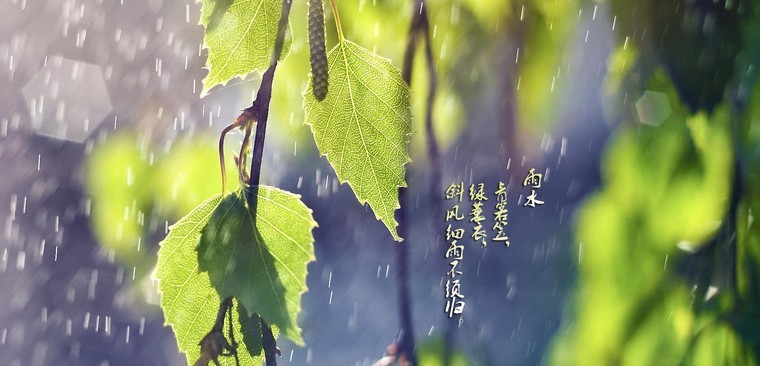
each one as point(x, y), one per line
point(260, 258)
point(189, 302)
point(239, 37)
point(363, 126)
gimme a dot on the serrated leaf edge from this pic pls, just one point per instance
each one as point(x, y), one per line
point(308, 90)
point(312, 255)
point(204, 46)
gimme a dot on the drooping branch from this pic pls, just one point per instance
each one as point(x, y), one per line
point(260, 106)
point(419, 30)
point(213, 343)
point(258, 112)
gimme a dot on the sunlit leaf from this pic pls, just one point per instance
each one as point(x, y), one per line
point(261, 258)
point(239, 37)
point(363, 127)
point(189, 302)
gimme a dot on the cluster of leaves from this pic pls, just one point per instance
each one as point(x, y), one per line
point(669, 269)
point(254, 244)
point(224, 246)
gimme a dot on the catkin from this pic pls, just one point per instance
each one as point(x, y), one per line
point(317, 51)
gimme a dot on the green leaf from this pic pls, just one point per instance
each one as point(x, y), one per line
point(261, 258)
point(240, 37)
point(189, 302)
point(363, 127)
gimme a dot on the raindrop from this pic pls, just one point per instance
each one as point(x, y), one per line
point(92, 284)
point(21, 261)
point(107, 324)
point(70, 295)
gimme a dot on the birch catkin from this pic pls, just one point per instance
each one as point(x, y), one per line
point(317, 51)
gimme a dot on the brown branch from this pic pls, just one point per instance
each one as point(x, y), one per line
point(213, 343)
point(269, 344)
point(260, 109)
point(419, 29)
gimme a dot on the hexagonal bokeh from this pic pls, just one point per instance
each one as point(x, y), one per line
point(653, 108)
point(67, 99)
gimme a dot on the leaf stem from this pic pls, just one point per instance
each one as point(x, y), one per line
point(336, 15)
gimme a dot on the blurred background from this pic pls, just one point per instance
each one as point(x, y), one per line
point(642, 116)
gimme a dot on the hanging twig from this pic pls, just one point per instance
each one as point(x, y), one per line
point(214, 343)
point(419, 29)
point(260, 109)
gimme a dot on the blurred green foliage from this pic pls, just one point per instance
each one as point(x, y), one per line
point(430, 352)
point(131, 189)
point(668, 253)
point(665, 193)
point(543, 60)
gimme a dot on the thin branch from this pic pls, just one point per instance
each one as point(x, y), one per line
point(213, 343)
point(269, 344)
point(419, 29)
point(260, 107)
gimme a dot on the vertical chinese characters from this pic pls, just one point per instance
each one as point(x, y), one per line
point(534, 181)
point(455, 252)
point(500, 215)
point(477, 196)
